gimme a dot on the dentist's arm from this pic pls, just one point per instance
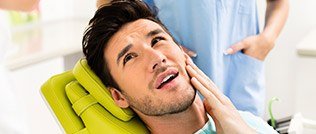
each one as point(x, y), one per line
point(259, 46)
point(102, 2)
point(19, 5)
point(276, 14)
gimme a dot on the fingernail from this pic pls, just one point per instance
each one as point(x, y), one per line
point(192, 54)
point(228, 51)
point(190, 60)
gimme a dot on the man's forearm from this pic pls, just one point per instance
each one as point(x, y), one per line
point(276, 15)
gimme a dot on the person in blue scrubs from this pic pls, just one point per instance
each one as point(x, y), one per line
point(229, 45)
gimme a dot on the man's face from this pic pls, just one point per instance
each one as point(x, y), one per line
point(149, 67)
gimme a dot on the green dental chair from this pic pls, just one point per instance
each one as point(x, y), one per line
point(83, 105)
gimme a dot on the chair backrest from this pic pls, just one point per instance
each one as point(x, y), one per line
point(82, 104)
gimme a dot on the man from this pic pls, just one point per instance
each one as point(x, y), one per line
point(145, 69)
point(226, 38)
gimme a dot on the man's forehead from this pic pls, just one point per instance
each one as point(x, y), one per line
point(137, 28)
point(142, 25)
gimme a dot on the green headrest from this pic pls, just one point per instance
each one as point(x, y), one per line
point(87, 78)
point(96, 119)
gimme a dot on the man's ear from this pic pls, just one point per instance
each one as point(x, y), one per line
point(119, 98)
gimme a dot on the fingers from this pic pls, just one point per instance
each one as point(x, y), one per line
point(187, 56)
point(200, 72)
point(235, 48)
point(188, 51)
point(219, 107)
point(205, 84)
point(200, 80)
point(195, 72)
point(211, 99)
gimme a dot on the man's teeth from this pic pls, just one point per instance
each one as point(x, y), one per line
point(166, 78)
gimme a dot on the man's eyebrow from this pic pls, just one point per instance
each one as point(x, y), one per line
point(128, 47)
point(123, 52)
point(154, 32)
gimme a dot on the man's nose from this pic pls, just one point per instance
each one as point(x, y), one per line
point(156, 59)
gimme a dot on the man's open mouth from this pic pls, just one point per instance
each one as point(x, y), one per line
point(166, 77)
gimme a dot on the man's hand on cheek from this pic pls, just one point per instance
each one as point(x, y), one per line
point(219, 107)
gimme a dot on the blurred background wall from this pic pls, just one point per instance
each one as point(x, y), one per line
point(28, 80)
point(289, 76)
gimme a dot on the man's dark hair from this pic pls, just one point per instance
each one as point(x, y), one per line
point(106, 22)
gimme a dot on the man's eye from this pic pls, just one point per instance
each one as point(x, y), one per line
point(129, 57)
point(156, 40)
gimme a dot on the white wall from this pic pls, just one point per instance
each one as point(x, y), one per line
point(56, 9)
point(28, 80)
point(84, 8)
point(60, 9)
point(289, 76)
point(27, 83)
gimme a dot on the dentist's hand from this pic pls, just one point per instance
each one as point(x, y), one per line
point(225, 115)
point(257, 46)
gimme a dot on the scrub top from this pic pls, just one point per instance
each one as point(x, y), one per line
point(209, 27)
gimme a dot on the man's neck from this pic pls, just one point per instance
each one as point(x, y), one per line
point(188, 121)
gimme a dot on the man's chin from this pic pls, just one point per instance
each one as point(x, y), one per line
point(187, 102)
point(167, 104)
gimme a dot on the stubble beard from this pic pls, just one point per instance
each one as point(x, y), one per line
point(159, 107)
